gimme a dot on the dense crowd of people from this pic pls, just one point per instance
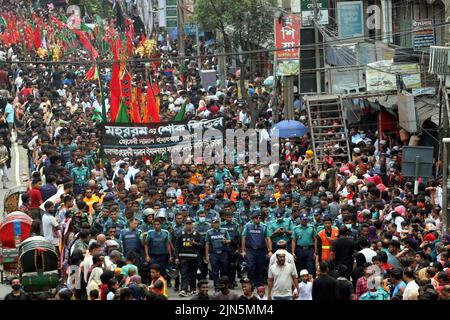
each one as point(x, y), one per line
point(130, 229)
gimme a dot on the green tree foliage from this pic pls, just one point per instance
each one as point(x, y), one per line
point(92, 7)
point(245, 25)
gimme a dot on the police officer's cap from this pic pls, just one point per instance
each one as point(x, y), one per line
point(284, 197)
point(185, 208)
point(210, 198)
point(220, 189)
point(304, 216)
point(317, 212)
point(108, 197)
point(148, 212)
point(215, 220)
point(279, 214)
point(172, 195)
point(281, 243)
point(256, 213)
point(189, 220)
point(272, 200)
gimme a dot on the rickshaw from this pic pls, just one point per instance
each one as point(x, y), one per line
point(38, 265)
point(14, 229)
point(12, 199)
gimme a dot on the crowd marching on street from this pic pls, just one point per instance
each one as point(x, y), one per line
point(129, 228)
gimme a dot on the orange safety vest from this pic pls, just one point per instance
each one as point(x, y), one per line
point(91, 201)
point(233, 197)
point(326, 244)
point(204, 195)
point(162, 291)
point(180, 200)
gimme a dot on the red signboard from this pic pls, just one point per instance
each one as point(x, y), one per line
point(287, 35)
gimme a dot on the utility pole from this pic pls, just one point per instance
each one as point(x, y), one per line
point(445, 162)
point(317, 48)
point(180, 27)
point(275, 88)
point(288, 84)
point(197, 40)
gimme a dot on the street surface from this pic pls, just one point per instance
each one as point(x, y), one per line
point(16, 175)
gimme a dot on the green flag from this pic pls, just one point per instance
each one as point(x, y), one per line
point(180, 115)
point(2, 21)
point(157, 158)
point(122, 115)
point(101, 29)
point(85, 28)
point(24, 49)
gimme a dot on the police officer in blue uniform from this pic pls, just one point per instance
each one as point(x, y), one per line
point(158, 248)
point(255, 244)
point(132, 241)
point(201, 227)
point(233, 248)
point(215, 251)
point(210, 213)
point(244, 214)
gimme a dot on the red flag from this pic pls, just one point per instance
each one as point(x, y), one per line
point(156, 91)
point(84, 40)
point(6, 39)
point(129, 44)
point(116, 46)
point(91, 74)
point(37, 39)
point(59, 23)
point(137, 102)
point(28, 36)
point(155, 88)
point(154, 64)
point(125, 86)
point(151, 113)
point(114, 89)
point(94, 53)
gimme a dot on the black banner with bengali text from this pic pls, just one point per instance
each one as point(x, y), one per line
point(121, 140)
